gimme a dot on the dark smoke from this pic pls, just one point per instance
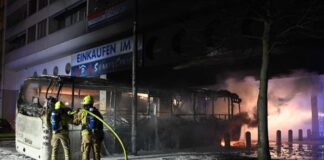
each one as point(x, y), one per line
point(246, 119)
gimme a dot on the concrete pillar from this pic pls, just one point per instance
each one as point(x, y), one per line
point(248, 140)
point(278, 137)
point(227, 139)
point(309, 134)
point(194, 106)
point(232, 108)
point(213, 106)
point(156, 134)
point(278, 151)
point(229, 107)
point(114, 105)
point(300, 135)
point(103, 96)
point(315, 125)
point(290, 136)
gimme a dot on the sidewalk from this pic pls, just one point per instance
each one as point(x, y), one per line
point(8, 151)
point(181, 156)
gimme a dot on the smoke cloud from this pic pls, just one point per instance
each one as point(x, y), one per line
point(288, 101)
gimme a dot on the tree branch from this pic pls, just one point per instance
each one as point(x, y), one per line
point(301, 23)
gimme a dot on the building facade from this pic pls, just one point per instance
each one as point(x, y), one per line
point(94, 39)
point(79, 37)
point(182, 44)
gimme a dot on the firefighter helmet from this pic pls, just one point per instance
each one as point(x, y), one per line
point(87, 100)
point(59, 105)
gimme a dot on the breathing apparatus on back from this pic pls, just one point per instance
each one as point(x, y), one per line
point(56, 119)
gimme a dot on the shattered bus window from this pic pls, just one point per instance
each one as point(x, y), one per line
point(32, 98)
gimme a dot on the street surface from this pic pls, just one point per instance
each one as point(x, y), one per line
point(297, 151)
point(8, 151)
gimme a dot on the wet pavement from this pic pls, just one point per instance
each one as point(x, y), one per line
point(8, 151)
point(291, 152)
point(294, 151)
point(283, 152)
point(298, 151)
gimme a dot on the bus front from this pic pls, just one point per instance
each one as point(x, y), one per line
point(32, 131)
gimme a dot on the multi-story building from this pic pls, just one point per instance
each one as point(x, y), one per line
point(35, 29)
point(180, 43)
point(2, 23)
point(93, 38)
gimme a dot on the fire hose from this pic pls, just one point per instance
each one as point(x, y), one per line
point(111, 129)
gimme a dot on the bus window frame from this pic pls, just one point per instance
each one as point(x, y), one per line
point(25, 105)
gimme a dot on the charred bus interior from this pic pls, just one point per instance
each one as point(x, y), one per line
point(167, 119)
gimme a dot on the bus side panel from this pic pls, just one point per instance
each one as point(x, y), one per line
point(29, 136)
point(75, 139)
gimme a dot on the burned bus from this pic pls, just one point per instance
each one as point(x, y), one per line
point(167, 119)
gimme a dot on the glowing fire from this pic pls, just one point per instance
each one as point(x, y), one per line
point(233, 143)
point(288, 105)
point(223, 143)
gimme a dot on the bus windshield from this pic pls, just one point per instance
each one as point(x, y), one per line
point(32, 97)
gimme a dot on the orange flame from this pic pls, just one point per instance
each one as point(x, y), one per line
point(233, 143)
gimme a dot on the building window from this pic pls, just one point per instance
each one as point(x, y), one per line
point(16, 42)
point(82, 14)
point(68, 68)
point(41, 29)
point(31, 33)
point(11, 2)
point(17, 16)
point(55, 71)
point(52, 1)
point(177, 40)
point(74, 17)
point(42, 4)
point(150, 47)
point(44, 71)
point(67, 18)
point(32, 7)
point(35, 74)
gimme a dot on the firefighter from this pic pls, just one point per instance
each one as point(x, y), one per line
point(92, 129)
point(59, 121)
